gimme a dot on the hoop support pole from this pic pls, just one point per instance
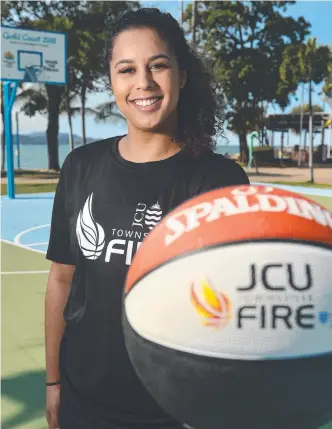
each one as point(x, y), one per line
point(9, 98)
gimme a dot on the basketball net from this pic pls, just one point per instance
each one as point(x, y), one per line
point(32, 73)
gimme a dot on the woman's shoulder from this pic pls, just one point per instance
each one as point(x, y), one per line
point(214, 162)
point(86, 156)
point(218, 170)
point(93, 150)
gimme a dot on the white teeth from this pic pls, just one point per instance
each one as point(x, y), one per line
point(146, 102)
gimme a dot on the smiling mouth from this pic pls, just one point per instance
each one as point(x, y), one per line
point(147, 102)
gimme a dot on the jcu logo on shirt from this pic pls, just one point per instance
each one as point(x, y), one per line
point(91, 235)
point(150, 217)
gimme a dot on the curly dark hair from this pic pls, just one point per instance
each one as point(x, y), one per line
point(201, 116)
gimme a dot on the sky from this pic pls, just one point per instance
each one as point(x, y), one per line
point(318, 13)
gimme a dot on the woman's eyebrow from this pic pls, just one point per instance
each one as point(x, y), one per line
point(154, 57)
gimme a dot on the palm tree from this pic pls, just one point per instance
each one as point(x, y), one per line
point(327, 89)
point(35, 100)
point(108, 112)
point(73, 111)
point(308, 63)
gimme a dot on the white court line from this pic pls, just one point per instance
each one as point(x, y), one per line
point(23, 247)
point(37, 244)
point(24, 272)
point(18, 236)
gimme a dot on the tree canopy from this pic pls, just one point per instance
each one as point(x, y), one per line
point(247, 42)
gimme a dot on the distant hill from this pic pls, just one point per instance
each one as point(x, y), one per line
point(40, 139)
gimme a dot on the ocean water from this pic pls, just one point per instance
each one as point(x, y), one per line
point(35, 156)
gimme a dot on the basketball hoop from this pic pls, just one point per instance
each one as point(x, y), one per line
point(34, 56)
point(32, 73)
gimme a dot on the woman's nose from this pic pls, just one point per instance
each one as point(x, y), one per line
point(145, 80)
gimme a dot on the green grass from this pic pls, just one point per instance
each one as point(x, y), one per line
point(34, 174)
point(30, 188)
point(324, 201)
point(305, 184)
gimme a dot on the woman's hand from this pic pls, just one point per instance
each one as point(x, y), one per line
point(52, 406)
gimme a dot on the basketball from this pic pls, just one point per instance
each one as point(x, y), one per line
point(227, 311)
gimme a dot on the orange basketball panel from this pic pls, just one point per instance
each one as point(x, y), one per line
point(233, 214)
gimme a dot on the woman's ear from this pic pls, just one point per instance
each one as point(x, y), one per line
point(183, 78)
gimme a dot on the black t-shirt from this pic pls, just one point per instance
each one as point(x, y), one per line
point(104, 207)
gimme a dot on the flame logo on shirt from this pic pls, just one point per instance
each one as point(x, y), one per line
point(90, 235)
point(213, 307)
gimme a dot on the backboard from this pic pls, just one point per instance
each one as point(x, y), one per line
point(33, 56)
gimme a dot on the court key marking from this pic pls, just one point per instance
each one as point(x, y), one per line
point(34, 228)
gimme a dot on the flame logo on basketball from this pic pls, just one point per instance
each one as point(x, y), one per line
point(213, 307)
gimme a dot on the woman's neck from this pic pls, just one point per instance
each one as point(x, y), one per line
point(140, 146)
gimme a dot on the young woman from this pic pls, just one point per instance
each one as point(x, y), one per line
point(110, 195)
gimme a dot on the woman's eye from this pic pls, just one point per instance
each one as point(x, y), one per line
point(128, 70)
point(159, 66)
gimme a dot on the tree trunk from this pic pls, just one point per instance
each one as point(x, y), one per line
point(244, 151)
point(322, 141)
point(282, 150)
point(83, 100)
point(53, 106)
point(71, 137)
point(311, 147)
point(305, 139)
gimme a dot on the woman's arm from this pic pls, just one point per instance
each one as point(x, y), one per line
point(58, 287)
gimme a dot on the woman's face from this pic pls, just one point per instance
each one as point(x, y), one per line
point(146, 79)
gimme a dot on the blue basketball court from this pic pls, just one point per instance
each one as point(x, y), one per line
point(25, 226)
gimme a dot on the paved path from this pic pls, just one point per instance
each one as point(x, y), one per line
point(290, 174)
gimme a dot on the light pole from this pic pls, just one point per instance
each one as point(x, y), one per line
point(311, 148)
point(301, 127)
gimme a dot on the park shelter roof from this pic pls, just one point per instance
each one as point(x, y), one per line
point(284, 122)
